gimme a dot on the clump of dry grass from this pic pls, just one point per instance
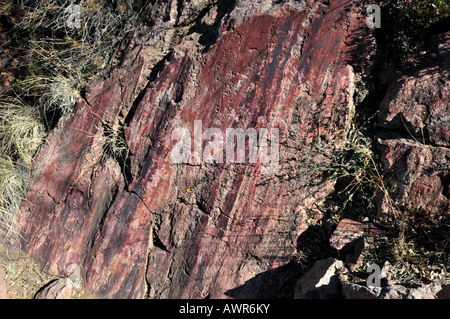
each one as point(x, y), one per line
point(12, 192)
point(61, 55)
point(21, 133)
point(357, 171)
point(417, 250)
point(114, 143)
point(58, 46)
point(56, 94)
point(21, 130)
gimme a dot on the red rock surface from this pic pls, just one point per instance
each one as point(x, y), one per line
point(347, 231)
point(417, 179)
point(142, 226)
point(418, 104)
point(415, 151)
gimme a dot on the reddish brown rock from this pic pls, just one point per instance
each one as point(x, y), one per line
point(143, 226)
point(415, 151)
point(348, 231)
point(417, 103)
point(417, 180)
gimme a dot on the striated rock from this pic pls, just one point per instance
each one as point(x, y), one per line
point(353, 239)
point(321, 281)
point(348, 231)
point(140, 224)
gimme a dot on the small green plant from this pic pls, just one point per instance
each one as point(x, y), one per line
point(357, 171)
point(356, 159)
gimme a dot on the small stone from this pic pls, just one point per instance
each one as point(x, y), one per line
point(429, 291)
point(74, 272)
point(59, 289)
point(354, 291)
point(321, 281)
point(347, 231)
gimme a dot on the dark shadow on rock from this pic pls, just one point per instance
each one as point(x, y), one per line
point(314, 243)
point(275, 283)
point(320, 282)
point(444, 293)
point(210, 33)
point(44, 287)
point(279, 282)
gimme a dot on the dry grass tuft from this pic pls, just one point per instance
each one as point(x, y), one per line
point(21, 133)
point(21, 130)
point(56, 47)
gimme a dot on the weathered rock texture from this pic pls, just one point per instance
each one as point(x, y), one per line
point(348, 231)
point(415, 147)
point(140, 225)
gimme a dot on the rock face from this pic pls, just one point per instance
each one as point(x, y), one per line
point(415, 147)
point(348, 231)
point(417, 103)
point(418, 178)
point(141, 225)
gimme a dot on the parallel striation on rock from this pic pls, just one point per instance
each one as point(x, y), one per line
point(140, 225)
